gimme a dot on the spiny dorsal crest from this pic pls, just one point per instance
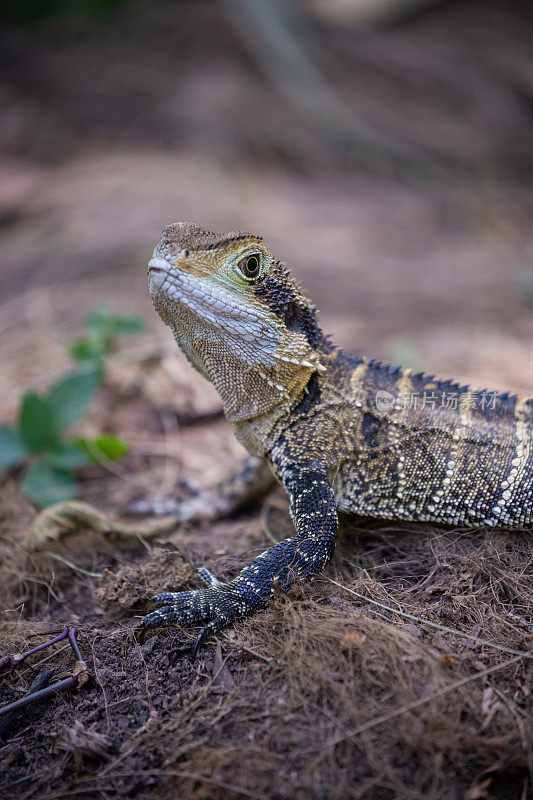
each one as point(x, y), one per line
point(189, 236)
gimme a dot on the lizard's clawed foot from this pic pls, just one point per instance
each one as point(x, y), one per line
point(218, 605)
point(205, 506)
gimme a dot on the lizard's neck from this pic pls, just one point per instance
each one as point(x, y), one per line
point(259, 434)
point(253, 380)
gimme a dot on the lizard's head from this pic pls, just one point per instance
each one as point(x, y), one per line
point(237, 314)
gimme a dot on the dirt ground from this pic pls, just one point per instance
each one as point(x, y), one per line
point(400, 672)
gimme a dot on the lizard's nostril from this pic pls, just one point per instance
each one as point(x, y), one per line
point(157, 263)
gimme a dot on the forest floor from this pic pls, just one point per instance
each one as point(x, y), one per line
point(328, 694)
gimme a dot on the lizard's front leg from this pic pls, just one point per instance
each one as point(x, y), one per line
point(252, 481)
point(294, 560)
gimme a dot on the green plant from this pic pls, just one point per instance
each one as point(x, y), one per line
point(40, 442)
point(104, 328)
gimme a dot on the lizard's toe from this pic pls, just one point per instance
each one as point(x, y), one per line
point(170, 615)
point(218, 606)
point(171, 598)
point(210, 629)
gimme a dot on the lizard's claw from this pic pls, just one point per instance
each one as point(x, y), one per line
point(218, 605)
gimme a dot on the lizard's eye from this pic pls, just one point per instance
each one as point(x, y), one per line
point(250, 266)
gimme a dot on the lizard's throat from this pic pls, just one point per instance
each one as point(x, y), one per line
point(249, 385)
point(251, 382)
point(253, 360)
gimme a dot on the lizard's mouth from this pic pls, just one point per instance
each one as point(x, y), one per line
point(207, 299)
point(159, 264)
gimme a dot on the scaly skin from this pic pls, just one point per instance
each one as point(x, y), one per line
point(338, 432)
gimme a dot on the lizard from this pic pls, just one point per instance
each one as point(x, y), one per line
point(340, 433)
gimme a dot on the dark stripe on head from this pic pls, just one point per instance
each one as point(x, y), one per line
point(295, 311)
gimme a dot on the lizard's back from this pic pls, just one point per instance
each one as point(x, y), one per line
point(409, 446)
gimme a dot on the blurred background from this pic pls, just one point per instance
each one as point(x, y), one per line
point(382, 147)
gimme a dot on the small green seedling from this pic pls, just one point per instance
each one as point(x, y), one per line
point(104, 329)
point(40, 442)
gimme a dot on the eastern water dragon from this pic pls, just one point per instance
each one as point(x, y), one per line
point(340, 433)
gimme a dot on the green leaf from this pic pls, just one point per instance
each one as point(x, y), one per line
point(47, 485)
point(128, 325)
point(38, 425)
point(100, 319)
point(69, 457)
point(86, 349)
point(71, 397)
point(106, 324)
point(111, 447)
point(12, 451)
point(104, 447)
